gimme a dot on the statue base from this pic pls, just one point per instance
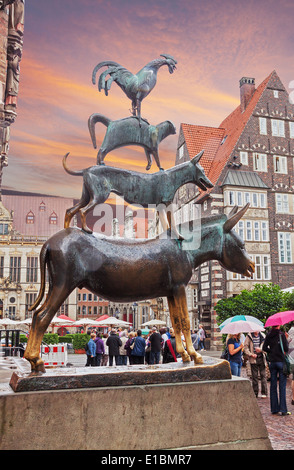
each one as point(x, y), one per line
point(92, 377)
point(176, 417)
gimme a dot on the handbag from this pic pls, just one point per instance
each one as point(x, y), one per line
point(133, 344)
point(288, 367)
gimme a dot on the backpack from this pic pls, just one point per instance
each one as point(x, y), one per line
point(86, 347)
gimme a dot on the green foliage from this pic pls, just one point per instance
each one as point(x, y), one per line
point(80, 340)
point(51, 338)
point(288, 301)
point(23, 338)
point(66, 339)
point(261, 302)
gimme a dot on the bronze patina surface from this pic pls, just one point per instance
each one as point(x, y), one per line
point(157, 189)
point(128, 131)
point(85, 377)
point(136, 87)
point(123, 270)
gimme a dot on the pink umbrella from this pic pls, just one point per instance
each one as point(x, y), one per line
point(241, 326)
point(280, 318)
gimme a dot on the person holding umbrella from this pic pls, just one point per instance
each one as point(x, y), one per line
point(275, 344)
point(253, 349)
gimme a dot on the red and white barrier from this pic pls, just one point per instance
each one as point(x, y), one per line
point(54, 355)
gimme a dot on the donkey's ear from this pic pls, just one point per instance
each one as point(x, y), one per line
point(233, 212)
point(197, 157)
point(234, 218)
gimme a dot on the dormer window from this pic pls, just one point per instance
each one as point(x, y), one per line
point(30, 218)
point(42, 207)
point(53, 218)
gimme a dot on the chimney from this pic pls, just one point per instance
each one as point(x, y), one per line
point(247, 89)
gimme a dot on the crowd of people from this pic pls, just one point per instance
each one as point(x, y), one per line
point(122, 347)
point(266, 357)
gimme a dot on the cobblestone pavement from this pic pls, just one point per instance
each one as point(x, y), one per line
point(280, 428)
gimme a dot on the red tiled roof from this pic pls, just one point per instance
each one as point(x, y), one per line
point(210, 138)
point(199, 138)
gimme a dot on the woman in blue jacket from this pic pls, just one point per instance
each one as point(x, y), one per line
point(91, 351)
point(138, 351)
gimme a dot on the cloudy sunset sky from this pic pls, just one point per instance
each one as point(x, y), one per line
point(215, 43)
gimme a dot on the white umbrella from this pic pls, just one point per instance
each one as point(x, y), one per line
point(7, 322)
point(85, 322)
point(27, 321)
point(112, 321)
point(60, 321)
point(154, 322)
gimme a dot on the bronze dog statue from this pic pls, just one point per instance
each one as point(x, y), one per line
point(123, 270)
point(137, 188)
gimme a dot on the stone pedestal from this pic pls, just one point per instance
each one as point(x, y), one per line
point(193, 415)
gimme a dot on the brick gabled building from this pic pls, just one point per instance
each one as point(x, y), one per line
point(248, 158)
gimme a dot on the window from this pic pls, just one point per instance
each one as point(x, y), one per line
point(262, 126)
point(276, 94)
point(239, 199)
point(248, 230)
point(42, 207)
point(85, 297)
point(195, 297)
point(280, 164)
point(259, 162)
point(3, 229)
point(282, 203)
point(181, 151)
point(14, 268)
point(30, 218)
point(262, 268)
point(246, 198)
point(32, 269)
point(278, 128)
point(266, 268)
point(254, 200)
point(231, 198)
point(262, 200)
point(240, 229)
point(90, 297)
point(264, 232)
point(30, 299)
point(256, 231)
point(53, 219)
point(244, 158)
point(2, 266)
point(284, 240)
point(291, 128)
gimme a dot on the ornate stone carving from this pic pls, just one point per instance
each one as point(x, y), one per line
point(14, 55)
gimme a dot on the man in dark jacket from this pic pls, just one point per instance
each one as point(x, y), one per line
point(156, 343)
point(113, 342)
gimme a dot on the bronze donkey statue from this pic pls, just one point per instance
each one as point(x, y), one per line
point(130, 270)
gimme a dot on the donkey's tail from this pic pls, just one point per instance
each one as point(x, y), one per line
point(43, 262)
point(93, 119)
point(71, 172)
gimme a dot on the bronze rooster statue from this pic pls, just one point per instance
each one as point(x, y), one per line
point(136, 87)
